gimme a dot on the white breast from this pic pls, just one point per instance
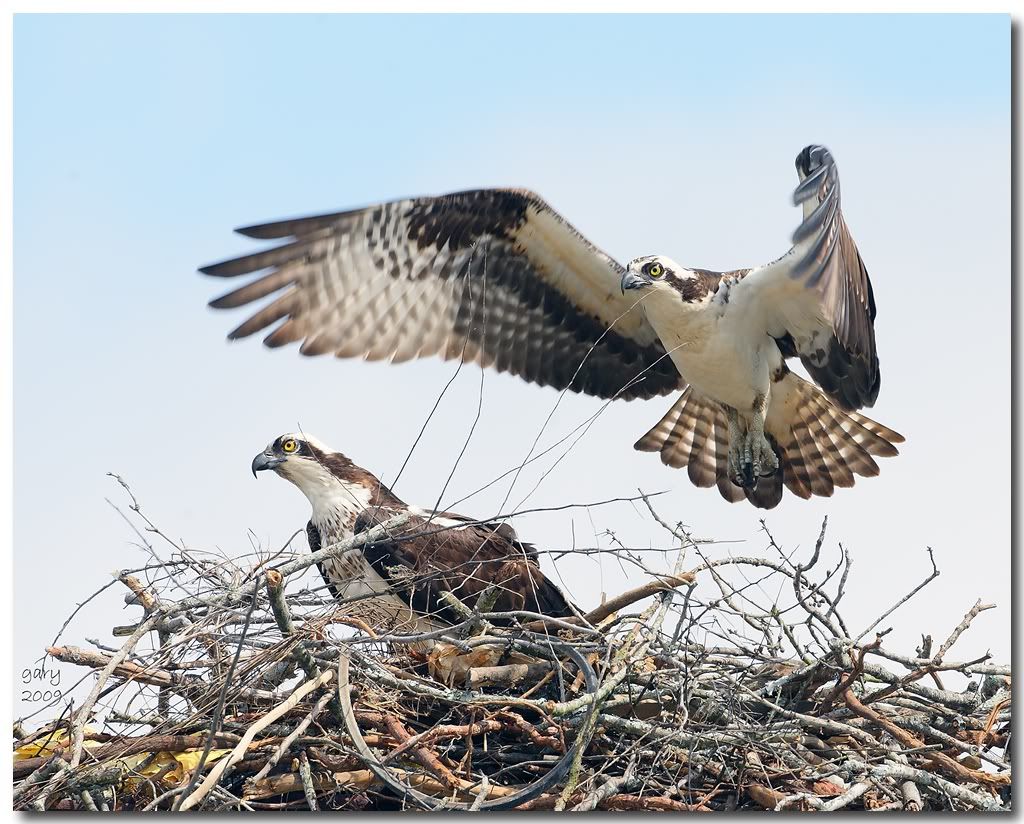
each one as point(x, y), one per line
point(337, 504)
point(713, 350)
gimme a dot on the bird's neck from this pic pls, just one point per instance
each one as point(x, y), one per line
point(679, 324)
point(337, 500)
point(337, 503)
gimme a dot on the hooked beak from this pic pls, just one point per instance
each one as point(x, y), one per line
point(631, 280)
point(265, 461)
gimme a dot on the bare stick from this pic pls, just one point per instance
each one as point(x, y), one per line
point(960, 629)
point(79, 719)
point(290, 739)
point(236, 754)
point(307, 782)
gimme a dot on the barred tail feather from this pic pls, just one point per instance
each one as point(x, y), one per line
point(826, 446)
point(694, 434)
point(819, 445)
point(658, 438)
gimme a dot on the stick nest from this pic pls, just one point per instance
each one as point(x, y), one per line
point(725, 684)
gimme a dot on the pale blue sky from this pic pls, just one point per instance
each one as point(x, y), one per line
point(141, 141)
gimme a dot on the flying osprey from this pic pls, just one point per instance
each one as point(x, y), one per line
point(396, 584)
point(498, 277)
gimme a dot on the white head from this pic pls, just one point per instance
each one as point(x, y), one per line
point(337, 489)
point(657, 275)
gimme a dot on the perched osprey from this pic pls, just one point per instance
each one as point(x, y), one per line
point(498, 277)
point(396, 584)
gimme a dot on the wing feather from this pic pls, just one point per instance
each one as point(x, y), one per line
point(448, 552)
point(257, 289)
point(819, 295)
point(285, 305)
point(493, 275)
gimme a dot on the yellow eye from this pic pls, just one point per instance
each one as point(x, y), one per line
point(656, 270)
point(289, 445)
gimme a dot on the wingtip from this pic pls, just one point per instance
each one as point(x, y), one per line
point(240, 332)
point(220, 269)
point(810, 153)
point(256, 231)
point(222, 301)
point(803, 159)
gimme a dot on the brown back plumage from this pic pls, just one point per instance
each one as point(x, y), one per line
point(464, 560)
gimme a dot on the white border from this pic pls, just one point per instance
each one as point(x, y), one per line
point(513, 6)
point(213, 6)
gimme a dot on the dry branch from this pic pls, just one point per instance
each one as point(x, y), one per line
point(736, 686)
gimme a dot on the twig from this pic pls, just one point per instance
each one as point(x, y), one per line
point(960, 629)
point(290, 739)
point(218, 712)
point(934, 574)
point(307, 781)
point(79, 719)
point(236, 754)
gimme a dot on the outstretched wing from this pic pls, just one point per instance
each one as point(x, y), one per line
point(817, 299)
point(493, 276)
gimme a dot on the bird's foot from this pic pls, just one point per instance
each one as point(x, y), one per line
point(766, 462)
point(741, 463)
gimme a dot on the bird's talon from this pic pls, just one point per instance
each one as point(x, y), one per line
point(767, 463)
point(748, 477)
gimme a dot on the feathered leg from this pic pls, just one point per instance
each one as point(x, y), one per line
point(750, 454)
point(737, 441)
point(763, 461)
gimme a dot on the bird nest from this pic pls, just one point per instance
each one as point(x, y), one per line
point(238, 688)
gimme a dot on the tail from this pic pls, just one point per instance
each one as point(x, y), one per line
point(819, 445)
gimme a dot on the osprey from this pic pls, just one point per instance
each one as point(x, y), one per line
point(396, 584)
point(496, 276)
